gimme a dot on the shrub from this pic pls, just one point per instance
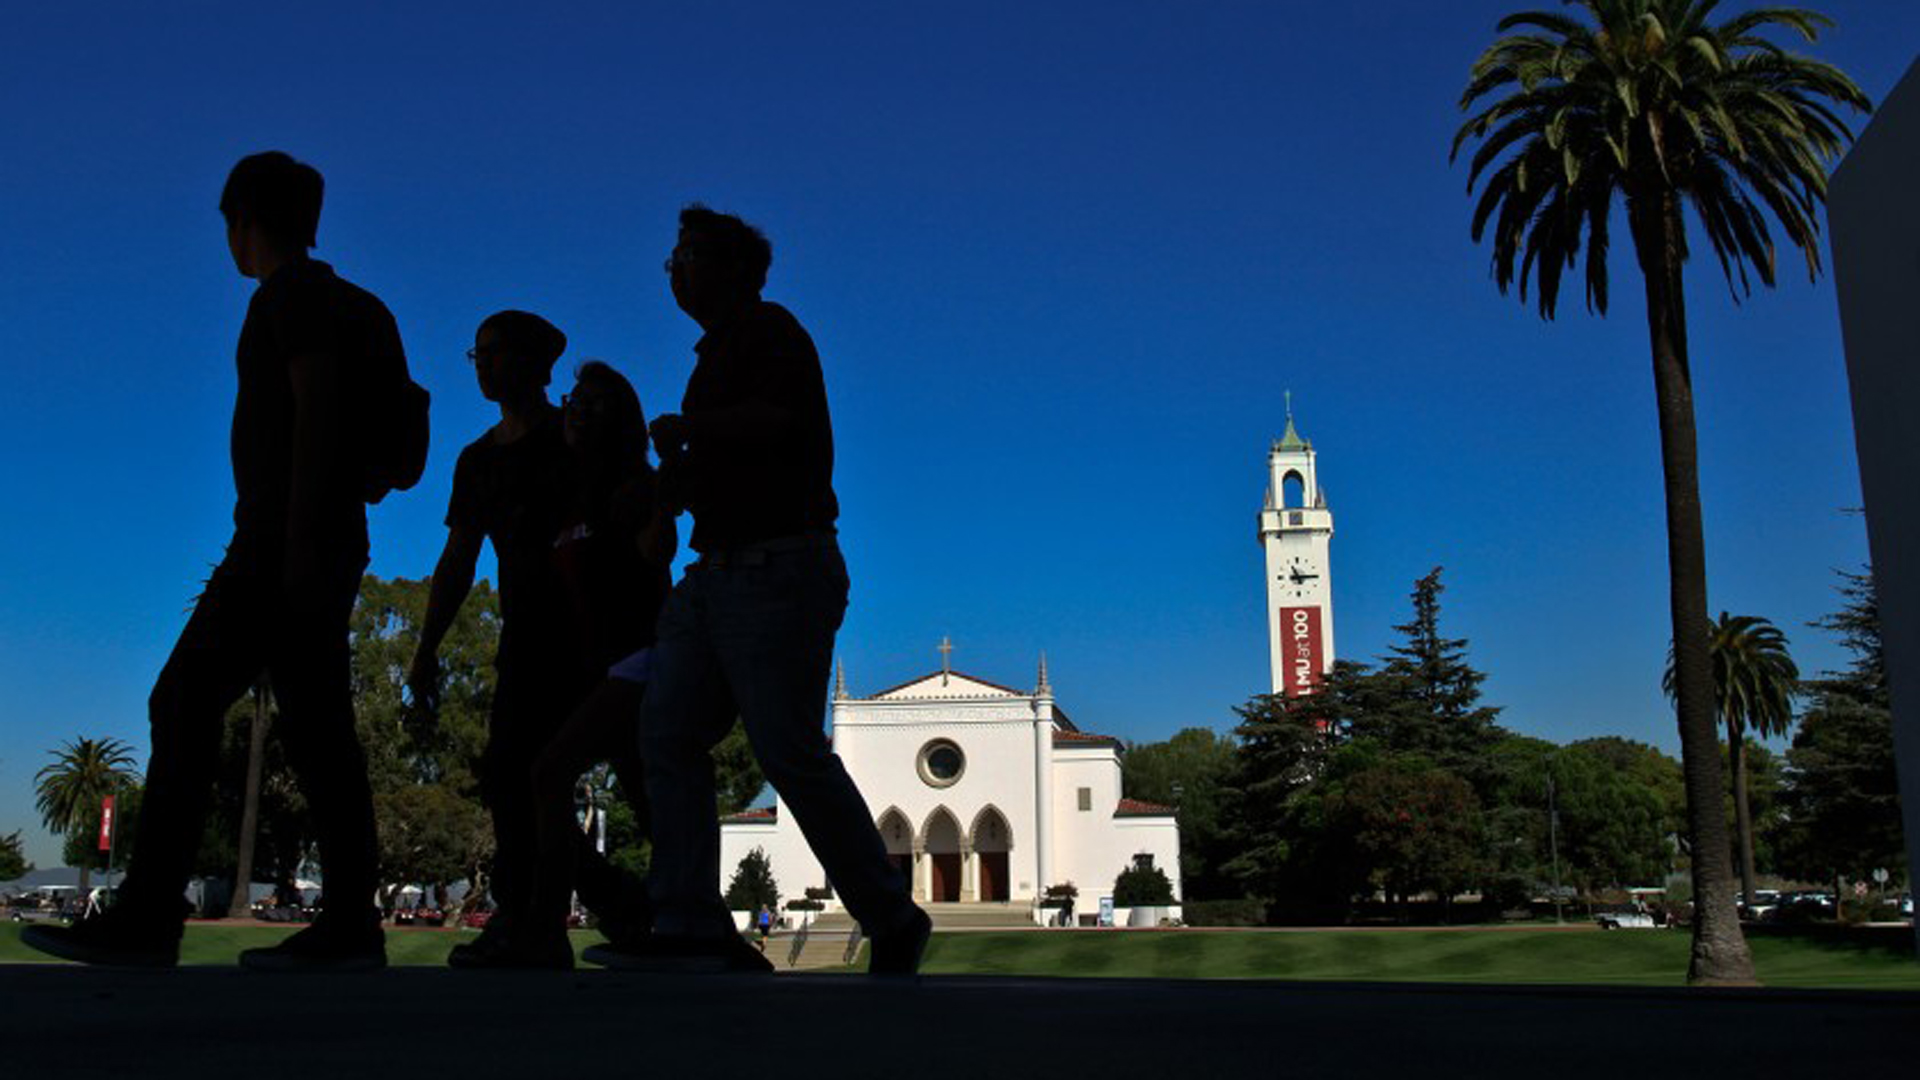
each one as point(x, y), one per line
point(1244, 912)
point(1142, 887)
point(1059, 896)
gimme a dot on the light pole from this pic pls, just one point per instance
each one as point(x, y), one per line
point(1553, 844)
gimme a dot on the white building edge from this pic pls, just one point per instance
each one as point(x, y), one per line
point(983, 794)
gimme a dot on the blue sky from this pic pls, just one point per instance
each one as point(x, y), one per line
point(1062, 261)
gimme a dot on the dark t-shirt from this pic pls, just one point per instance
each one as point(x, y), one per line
point(303, 309)
point(518, 494)
point(615, 594)
point(742, 491)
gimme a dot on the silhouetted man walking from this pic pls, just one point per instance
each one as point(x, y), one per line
point(316, 359)
point(749, 629)
point(513, 487)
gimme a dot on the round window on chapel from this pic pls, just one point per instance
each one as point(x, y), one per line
point(941, 763)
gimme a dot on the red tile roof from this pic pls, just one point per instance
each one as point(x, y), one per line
point(756, 814)
point(1084, 738)
point(1138, 808)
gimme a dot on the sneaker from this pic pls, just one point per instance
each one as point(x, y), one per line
point(897, 953)
point(628, 923)
point(681, 954)
point(118, 937)
point(513, 952)
point(326, 945)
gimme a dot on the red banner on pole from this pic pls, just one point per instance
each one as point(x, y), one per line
point(106, 824)
point(1301, 650)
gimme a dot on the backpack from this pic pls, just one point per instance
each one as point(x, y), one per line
point(394, 439)
point(397, 439)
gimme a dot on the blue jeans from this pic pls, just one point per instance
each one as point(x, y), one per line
point(753, 637)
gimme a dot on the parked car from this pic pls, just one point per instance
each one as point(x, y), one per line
point(1626, 920)
point(1802, 906)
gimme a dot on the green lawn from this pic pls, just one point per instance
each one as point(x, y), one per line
point(1621, 958)
point(218, 943)
point(1626, 957)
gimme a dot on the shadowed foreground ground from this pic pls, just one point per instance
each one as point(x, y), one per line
point(201, 1022)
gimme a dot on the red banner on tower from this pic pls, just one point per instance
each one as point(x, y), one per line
point(106, 824)
point(1301, 650)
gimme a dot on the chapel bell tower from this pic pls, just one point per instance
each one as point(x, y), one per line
point(1295, 530)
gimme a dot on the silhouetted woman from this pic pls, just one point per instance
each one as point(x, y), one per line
point(614, 562)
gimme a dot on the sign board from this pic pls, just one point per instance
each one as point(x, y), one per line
point(1106, 911)
point(106, 824)
point(1302, 655)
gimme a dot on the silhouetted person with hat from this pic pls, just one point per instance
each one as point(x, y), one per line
point(516, 487)
point(316, 355)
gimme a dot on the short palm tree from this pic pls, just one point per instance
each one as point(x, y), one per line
point(68, 792)
point(1754, 680)
point(1648, 103)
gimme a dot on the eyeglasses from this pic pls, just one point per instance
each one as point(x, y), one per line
point(474, 354)
point(682, 257)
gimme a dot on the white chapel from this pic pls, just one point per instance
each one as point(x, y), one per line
point(983, 794)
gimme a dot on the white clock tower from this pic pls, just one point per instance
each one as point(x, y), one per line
point(1295, 529)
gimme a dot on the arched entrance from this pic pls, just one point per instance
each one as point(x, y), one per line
point(992, 839)
point(897, 833)
point(942, 845)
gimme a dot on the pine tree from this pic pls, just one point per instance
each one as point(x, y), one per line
point(1843, 794)
point(1282, 744)
point(753, 887)
point(1425, 698)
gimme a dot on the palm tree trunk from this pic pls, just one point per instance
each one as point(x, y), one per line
point(240, 906)
point(1720, 954)
point(1742, 813)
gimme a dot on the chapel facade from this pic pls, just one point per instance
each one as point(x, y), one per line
point(983, 794)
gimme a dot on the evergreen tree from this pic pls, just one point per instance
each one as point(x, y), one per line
point(1425, 700)
point(13, 858)
point(1283, 743)
point(1843, 796)
point(753, 886)
point(1189, 772)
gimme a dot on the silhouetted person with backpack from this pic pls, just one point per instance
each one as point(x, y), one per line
point(322, 383)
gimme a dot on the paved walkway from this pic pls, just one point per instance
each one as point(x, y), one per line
point(202, 1022)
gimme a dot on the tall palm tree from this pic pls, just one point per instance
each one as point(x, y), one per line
point(1754, 680)
point(68, 792)
point(1649, 103)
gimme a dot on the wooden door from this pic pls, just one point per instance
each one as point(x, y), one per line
point(993, 875)
point(946, 877)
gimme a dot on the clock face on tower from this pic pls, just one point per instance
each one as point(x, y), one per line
point(1299, 575)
